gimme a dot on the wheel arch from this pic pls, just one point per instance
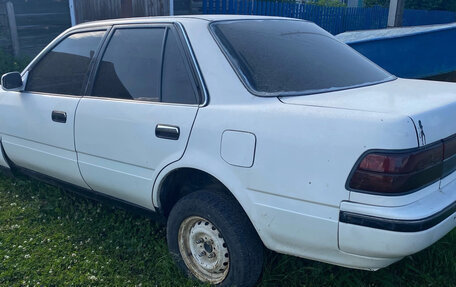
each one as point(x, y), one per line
point(182, 181)
point(218, 177)
point(4, 161)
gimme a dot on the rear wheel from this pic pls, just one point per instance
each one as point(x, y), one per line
point(211, 239)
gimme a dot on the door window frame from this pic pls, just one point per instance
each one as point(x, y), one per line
point(26, 73)
point(196, 79)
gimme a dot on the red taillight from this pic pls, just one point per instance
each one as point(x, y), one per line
point(449, 164)
point(450, 147)
point(404, 162)
point(398, 172)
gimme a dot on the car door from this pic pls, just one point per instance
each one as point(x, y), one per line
point(138, 117)
point(38, 123)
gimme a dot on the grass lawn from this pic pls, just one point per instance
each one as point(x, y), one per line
point(50, 237)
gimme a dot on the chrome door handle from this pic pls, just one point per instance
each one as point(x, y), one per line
point(167, 132)
point(59, 117)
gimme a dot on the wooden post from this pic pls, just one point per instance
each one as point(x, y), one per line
point(126, 9)
point(171, 7)
point(72, 13)
point(147, 8)
point(396, 13)
point(13, 28)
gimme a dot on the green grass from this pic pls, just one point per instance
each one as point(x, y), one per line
point(51, 237)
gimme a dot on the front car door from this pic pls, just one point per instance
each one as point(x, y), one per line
point(139, 112)
point(37, 124)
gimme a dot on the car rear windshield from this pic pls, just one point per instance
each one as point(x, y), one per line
point(292, 57)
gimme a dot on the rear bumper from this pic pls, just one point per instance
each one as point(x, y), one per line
point(388, 224)
point(395, 232)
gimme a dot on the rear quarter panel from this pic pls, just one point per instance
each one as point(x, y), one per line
point(303, 157)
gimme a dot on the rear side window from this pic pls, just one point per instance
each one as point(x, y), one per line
point(177, 84)
point(64, 69)
point(130, 67)
point(286, 57)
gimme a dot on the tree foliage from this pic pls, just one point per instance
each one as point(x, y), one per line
point(332, 3)
point(10, 64)
point(449, 5)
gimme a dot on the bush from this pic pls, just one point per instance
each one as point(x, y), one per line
point(10, 64)
point(448, 5)
point(331, 3)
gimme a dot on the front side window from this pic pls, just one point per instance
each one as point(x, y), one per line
point(131, 65)
point(64, 69)
point(290, 57)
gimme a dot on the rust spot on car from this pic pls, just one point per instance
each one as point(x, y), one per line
point(422, 134)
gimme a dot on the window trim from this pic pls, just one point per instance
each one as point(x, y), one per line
point(252, 91)
point(27, 71)
point(190, 65)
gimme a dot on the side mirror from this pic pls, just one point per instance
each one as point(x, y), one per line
point(12, 81)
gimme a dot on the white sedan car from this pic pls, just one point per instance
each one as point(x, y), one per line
point(243, 132)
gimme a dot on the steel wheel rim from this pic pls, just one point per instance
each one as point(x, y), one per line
point(203, 250)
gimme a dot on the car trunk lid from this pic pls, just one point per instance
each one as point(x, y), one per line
point(431, 105)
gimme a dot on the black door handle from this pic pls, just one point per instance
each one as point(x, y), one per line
point(59, 117)
point(167, 132)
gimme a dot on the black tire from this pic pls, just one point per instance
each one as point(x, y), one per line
point(226, 215)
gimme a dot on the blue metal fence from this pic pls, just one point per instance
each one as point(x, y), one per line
point(425, 17)
point(334, 19)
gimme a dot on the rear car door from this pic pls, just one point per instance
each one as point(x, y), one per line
point(139, 112)
point(38, 123)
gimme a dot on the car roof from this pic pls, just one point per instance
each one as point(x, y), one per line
point(183, 18)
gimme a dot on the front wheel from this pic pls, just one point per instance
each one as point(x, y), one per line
point(211, 239)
